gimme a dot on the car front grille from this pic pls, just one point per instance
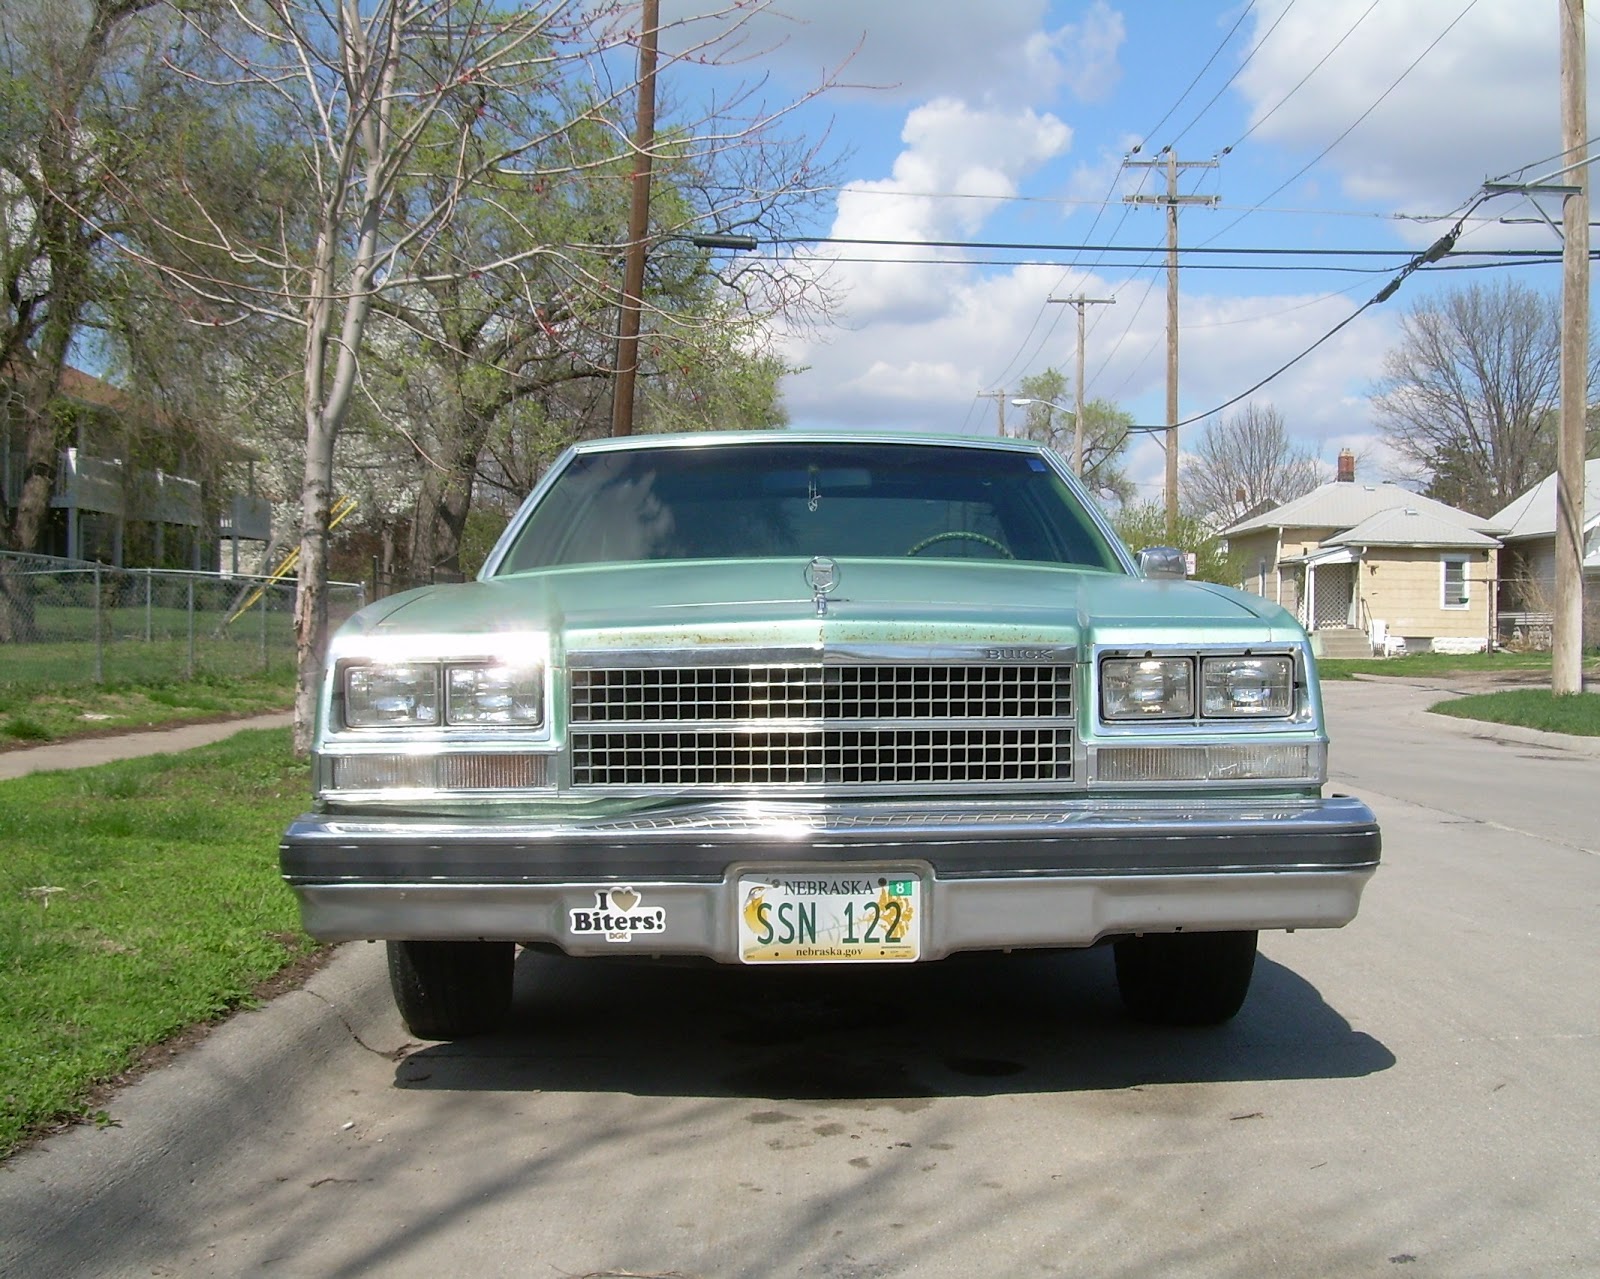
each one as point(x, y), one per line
point(820, 725)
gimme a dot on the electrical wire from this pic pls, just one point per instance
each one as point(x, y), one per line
point(1237, 71)
point(1433, 254)
point(1317, 159)
point(1215, 53)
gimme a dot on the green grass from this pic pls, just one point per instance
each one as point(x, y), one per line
point(1429, 664)
point(30, 714)
point(1530, 708)
point(136, 899)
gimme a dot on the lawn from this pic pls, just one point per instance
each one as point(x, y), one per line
point(1530, 708)
point(136, 899)
point(31, 713)
point(1430, 664)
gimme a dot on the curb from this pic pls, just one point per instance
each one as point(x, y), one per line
point(173, 1126)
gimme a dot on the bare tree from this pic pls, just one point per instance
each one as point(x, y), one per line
point(1242, 461)
point(1468, 397)
point(467, 92)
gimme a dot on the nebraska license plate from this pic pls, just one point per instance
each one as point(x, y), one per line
point(830, 917)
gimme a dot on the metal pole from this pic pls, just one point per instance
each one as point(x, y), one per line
point(149, 628)
point(191, 627)
point(99, 637)
point(1566, 628)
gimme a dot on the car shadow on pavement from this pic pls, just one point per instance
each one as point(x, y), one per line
point(972, 1025)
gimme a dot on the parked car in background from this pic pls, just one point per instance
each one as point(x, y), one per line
point(804, 698)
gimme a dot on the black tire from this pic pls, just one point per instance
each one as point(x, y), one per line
point(1185, 979)
point(451, 989)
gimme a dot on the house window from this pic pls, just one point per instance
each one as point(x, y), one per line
point(1454, 581)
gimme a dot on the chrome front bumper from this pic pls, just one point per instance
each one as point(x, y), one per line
point(1000, 874)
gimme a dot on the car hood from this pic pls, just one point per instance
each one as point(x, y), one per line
point(769, 603)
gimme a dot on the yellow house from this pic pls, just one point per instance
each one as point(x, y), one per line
point(1374, 568)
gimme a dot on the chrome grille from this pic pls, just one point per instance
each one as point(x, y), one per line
point(821, 725)
point(642, 695)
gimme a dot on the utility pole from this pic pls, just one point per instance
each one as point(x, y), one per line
point(1173, 202)
point(999, 398)
point(644, 136)
point(1077, 421)
point(1566, 632)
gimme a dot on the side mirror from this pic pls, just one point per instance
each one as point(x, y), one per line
point(1164, 561)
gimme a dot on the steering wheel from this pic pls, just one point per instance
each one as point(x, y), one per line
point(960, 533)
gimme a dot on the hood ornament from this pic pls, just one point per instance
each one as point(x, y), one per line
point(822, 576)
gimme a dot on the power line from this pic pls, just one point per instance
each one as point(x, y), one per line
point(1215, 53)
point(1237, 71)
point(1338, 44)
point(1471, 4)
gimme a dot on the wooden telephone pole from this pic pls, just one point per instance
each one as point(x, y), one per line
point(1566, 632)
point(1077, 420)
point(1173, 201)
point(644, 135)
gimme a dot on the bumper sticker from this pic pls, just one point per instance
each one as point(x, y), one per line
point(618, 915)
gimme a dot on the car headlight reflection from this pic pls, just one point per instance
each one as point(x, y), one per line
point(511, 695)
point(431, 694)
point(1147, 687)
point(1247, 687)
point(393, 695)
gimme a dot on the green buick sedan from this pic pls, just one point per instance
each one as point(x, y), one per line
point(816, 698)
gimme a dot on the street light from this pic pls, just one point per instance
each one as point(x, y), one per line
point(1077, 429)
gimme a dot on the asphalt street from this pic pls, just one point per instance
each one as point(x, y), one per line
point(1415, 1094)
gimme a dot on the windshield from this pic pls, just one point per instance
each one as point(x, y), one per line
point(839, 499)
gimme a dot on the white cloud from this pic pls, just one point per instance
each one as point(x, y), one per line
point(1479, 103)
point(952, 149)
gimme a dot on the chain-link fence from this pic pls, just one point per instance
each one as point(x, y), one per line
point(64, 623)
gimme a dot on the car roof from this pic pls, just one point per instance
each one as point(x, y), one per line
point(697, 439)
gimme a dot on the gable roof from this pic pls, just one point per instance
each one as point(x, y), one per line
point(1533, 514)
point(1342, 505)
point(1409, 526)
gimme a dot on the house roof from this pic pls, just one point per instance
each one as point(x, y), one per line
point(1533, 514)
point(1411, 526)
point(1343, 505)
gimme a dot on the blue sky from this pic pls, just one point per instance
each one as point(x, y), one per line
point(1334, 124)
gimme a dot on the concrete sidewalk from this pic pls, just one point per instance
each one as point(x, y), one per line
point(84, 752)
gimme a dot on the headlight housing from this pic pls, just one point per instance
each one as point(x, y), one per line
point(1157, 687)
point(1247, 687)
point(485, 694)
point(505, 695)
point(1143, 688)
point(391, 695)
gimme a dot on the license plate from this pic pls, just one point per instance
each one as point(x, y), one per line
point(829, 917)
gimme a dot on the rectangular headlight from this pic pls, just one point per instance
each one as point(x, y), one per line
point(1247, 687)
point(509, 695)
point(1147, 688)
point(391, 695)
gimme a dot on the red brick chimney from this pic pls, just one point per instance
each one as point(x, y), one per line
point(1347, 467)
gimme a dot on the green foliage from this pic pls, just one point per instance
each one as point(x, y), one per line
point(483, 529)
point(1105, 432)
point(135, 899)
point(1144, 524)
